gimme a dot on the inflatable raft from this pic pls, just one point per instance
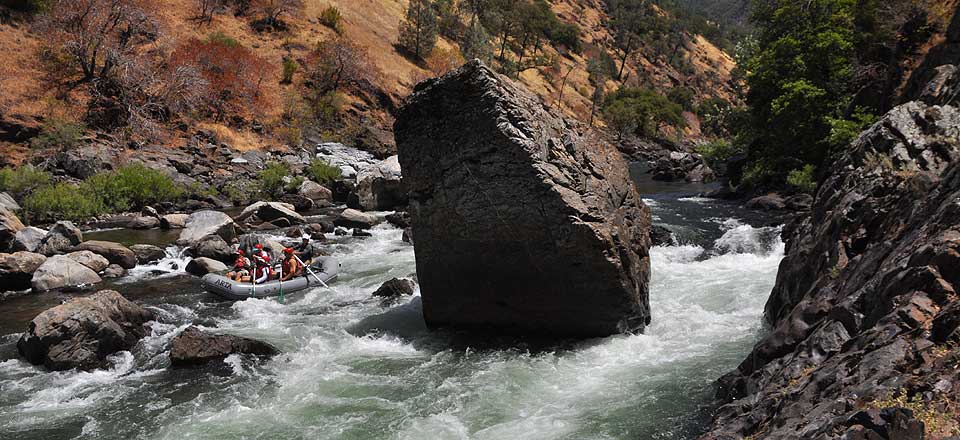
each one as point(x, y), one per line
point(325, 268)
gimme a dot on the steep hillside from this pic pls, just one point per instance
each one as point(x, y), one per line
point(365, 115)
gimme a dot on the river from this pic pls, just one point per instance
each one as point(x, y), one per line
point(355, 368)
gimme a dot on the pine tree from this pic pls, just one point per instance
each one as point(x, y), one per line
point(418, 33)
point(476, 43)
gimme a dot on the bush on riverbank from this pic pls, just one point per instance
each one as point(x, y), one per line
point(21, 181)
point(323, 173)
point(131, 187)
point(61, 201)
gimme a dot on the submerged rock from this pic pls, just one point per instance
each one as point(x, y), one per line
point(61, 271)
point(115, 253)
point(203, 265)
point(395, 288)
point(203, 223)
point(148, 253)
point(194, 347)
point(113, 271)
point(82, 332)
point(524, 222)
point(865, 304)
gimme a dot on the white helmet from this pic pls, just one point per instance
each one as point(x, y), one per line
point(306, 236)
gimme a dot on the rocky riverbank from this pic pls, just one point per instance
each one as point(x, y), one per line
point(865, 312)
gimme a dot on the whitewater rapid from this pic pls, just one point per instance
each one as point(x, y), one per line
point(356, 368)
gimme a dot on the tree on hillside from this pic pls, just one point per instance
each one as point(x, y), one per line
point(206, 9)
point(631, 22)
point(272, 11)
point(476, 42)
point(641, 112)
point(232, 74)
point(418, 32)
point(89, 40)
point(337, 63)
point(448, 17)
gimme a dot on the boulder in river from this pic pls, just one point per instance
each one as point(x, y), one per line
point(16, 269)
point(28, 239)
point(212, 246)
point(95, 262)
point(116, 253)
point(270, 211)
point(299, 203)
point(82, 332)
point(62, 237)
point(194, 347)
point(113, 271)
point(174, 221)
point(202, 266)
point(379, 187)
point(315, 191)
point(148, 253)
point(9, 226)
point(396, 287)
point(769, 202)
point(203, 223)
point(399, 219)
point(144, 222)
point(524, 222)
point(61, 271)
point(351, 218)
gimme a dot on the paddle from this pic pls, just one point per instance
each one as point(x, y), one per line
point(281, 283)
point(311, 272)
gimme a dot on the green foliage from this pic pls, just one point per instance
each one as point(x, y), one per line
point(756, 174)
point(131, 187)
point(802, 179)
point(23, 180)
point(59, 133)
point(60, 202)
point(240, 192)
point(289, 68)
point(601, 68)
point(641, 112)
point(683, 96)
point(718, 151)
point(799, 79)
point(272, 179)
point(418, 32)
point(330, 17)
point(476, 43)
point(716, 115)
point(323, 173)
point(844, 131)
point(325, 108)
point(221, 38)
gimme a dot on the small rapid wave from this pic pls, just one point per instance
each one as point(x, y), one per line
point(173, 264)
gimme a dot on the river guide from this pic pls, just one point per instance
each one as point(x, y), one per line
point(325, 270)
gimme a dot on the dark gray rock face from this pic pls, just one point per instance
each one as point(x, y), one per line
point(865, 305)
point(524, 223)
point(28, 239)
point(202, 266)
point(680, 165)
point(62, 237)
point(194, 347)
point(148, 253)
point(212, 246)
point(84, 331)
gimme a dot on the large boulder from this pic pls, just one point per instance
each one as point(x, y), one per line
point(202, 266)
point(88, 160)
point(9, 226)
point(148, 253)
point(174, 221)
point(351, 218)
point(6, 201)
point(524, 222)
point(116, 253)
point(865, 305)
point(203, 223)
point(212, 246)
point(379, 187)
point(16, 269)
point(61, 271)
point(84, 331)
point(396, 288)
point(315, 191)
point(95, 262)
point(144, 222)
point(28, 239)
point(62, 237)
point(194, 347)
point(271, 211)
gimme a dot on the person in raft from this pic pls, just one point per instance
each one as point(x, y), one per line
point(241, 267)
point(304, 250)
point(261, 259)
point(291, 267)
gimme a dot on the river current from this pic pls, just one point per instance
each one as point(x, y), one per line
point(356, 368)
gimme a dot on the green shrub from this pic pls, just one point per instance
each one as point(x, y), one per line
point(21, 181)
point(717, 151)
point(289, 68)
point(323, 173)
point(59, 202)
point(802, 179)
point(294, 184)
point(682, 96)
point(59, 133)
point(330, 17)
point(326, 107)
point(222, 38)
point(271, 179)
point(641, 111)
point(131, 187)
point(757, 174)
point(240, 192)
point(844, 131)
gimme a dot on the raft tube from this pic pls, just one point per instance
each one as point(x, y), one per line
point(325, 268)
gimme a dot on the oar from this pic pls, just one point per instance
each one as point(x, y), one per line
point(281, 283)
point(311, 272)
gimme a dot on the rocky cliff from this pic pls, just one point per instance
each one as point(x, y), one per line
point(524, 222)
point(865, 311)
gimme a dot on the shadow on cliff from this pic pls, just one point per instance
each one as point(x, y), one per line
point(405, 321)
